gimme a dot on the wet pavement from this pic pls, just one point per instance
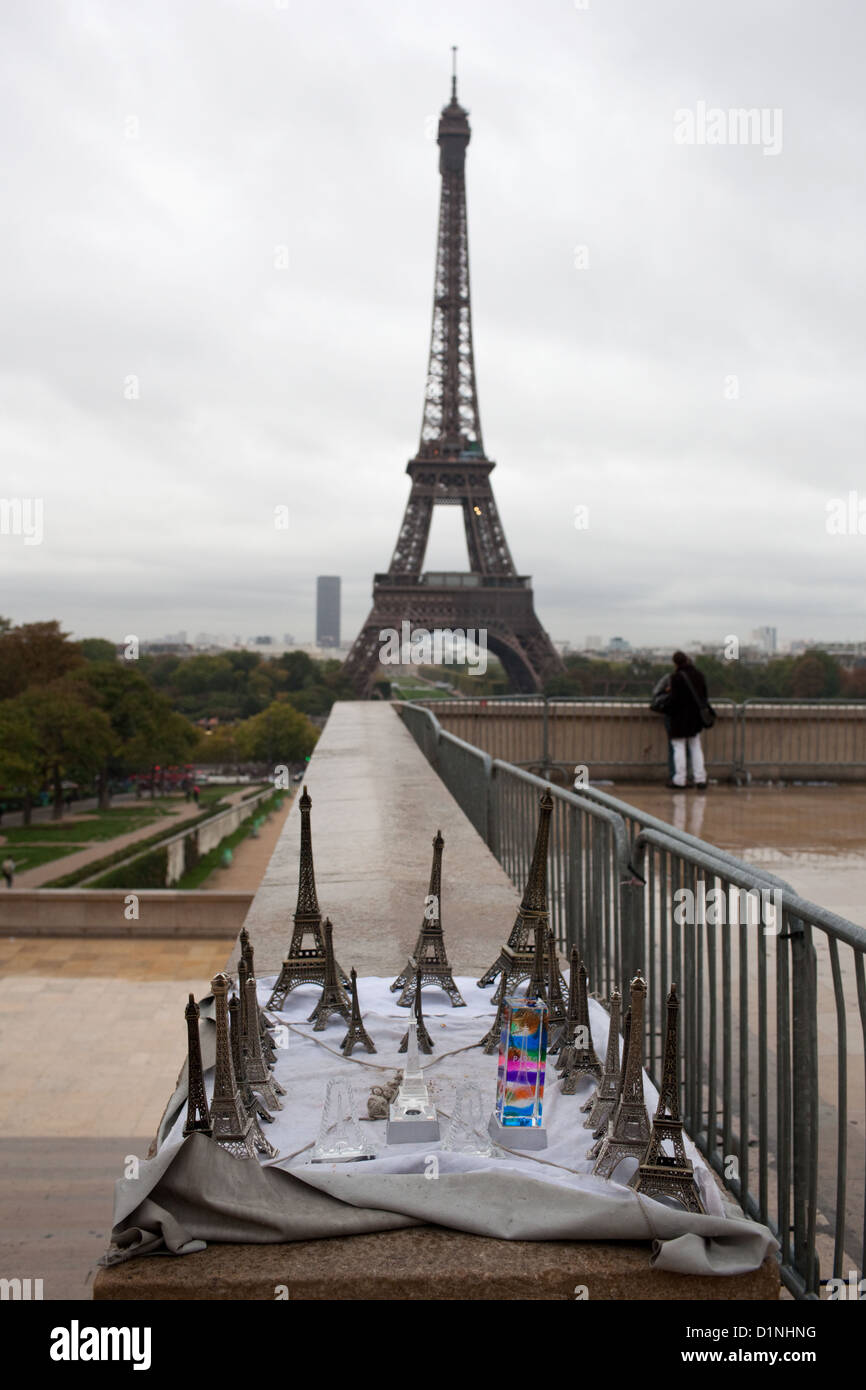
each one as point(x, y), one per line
point(813, 836)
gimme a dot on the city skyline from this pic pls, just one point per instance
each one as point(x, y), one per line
point(213, 366)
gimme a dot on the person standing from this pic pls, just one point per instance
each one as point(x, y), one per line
point(8, 867)
point(688, 695)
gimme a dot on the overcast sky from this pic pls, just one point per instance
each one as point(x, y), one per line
point(156, 158)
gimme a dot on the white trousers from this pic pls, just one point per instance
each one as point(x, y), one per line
point(699, 771)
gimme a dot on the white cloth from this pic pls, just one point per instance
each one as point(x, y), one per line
point(306, 1064)
point(193, 1192)
point(696, 753)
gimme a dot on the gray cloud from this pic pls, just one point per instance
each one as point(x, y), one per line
point(308, 128)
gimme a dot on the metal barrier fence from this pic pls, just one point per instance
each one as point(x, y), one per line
point(772, 987)
point(773, 737)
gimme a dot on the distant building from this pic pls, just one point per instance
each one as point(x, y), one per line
point(618, 644)
point(263, 641)
point(594, 644)
point(328, 610)
point(288, 639)
point(765, 638)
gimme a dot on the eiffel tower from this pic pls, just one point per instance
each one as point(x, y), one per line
point(249, 1100)
point(452, 469)
point(628, 1132)
point(661, 1174)
point(430, 954)
point(304, 965)
point(424, 1040)
point(197, 1114)
point(579, 1056)
point(600, 1105)
point(515, 962)
point(357, 1034)
point(333, 1000)
point(232, 1126)
point(600, 1133)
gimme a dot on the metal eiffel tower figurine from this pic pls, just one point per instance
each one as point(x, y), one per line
point(565, 1035)
point(357, 1034)
point(232, 1126)
point(259, 1074)
point(266, 1023)
point(579, 1056)
point(425, 1042)
point(556, 1009)
point(629, 1130)
point(333, 1000)
point(600, 1134)
point(515, 961)
point(304, 965)
point(197, 1114)
point(250, 1102)
point(600, 1105)
point(430, 953)
point(490, 1041)
point(661, 1174)
point(451, 467)
point(244, 972)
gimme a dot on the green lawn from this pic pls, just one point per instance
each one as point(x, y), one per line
point(418, 692)
point(31, 856)
point(103, 825)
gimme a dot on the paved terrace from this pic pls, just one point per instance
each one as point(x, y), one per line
point(377, 805)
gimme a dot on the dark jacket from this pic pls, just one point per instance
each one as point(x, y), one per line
point(684, 712)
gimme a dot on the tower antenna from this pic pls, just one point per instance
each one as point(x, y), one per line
point(454, 72)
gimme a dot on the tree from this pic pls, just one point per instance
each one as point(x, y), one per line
point(34, 654)
point(20, 763)
point(298, 668)
point(280, 734)
point(145, 729)
point(814, 675)
point(97, 649)
point(65, 736)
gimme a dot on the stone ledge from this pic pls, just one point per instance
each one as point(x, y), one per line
point(424, 1263)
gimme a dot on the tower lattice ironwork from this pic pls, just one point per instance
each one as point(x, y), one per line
point(661, 1173)
point(304, 965)
point(452, 469)
point(628, 1132)
point(430, 953)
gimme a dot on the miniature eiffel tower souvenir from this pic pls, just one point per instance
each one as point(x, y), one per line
point(599, 1134)
point(412, 1116)
point(430, 954)
point(340, 1139)
point(304, 965)
point(333, 1000)
point(249, 1100)
point(560, 1044)
point(244, 973)
point(628, 1133)
point(259, 1075)
point(515, 960)
point(357, 1035)
point(555, 1001)
point(248, 955)
point(425, 1042)
point(662, 1175)
point(600, 1106)
point(490, 1041)
point(197, 1114)
point(232, 1126)
point(579, 1056)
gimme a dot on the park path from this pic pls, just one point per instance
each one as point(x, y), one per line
point(68, 863)
point(249, 859)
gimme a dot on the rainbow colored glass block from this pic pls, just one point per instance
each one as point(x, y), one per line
point(522, 1059)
